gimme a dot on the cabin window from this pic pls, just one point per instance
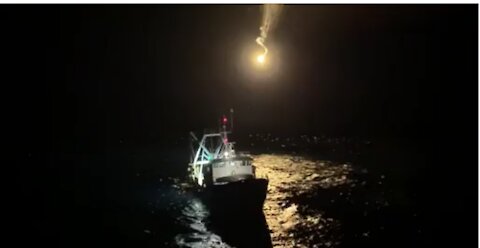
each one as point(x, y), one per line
point(218, 165)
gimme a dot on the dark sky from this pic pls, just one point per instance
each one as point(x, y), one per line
point(102, 73)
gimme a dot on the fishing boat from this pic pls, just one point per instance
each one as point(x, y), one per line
point(227, 177)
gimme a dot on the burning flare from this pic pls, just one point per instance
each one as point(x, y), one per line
point(261, 58)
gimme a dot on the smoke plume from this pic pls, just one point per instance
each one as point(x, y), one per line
point(271, 12)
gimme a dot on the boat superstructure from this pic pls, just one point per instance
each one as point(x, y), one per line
point(215, 161)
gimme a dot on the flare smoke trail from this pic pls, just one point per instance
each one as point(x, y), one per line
point(271, 12)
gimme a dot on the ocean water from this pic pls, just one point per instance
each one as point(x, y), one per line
point(323, 192)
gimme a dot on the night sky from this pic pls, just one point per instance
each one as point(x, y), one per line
point(93, 73)
point(82, 79)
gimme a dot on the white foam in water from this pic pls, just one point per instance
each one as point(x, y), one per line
point(194, 215)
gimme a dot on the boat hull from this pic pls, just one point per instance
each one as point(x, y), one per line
point(245, 196)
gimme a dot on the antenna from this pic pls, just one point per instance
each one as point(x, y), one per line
point(231, 120)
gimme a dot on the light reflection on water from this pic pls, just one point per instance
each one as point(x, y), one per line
point(293, 213)
point(185, 218)
point(194, 216)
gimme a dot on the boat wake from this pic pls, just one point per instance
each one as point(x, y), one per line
point(194, 217)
